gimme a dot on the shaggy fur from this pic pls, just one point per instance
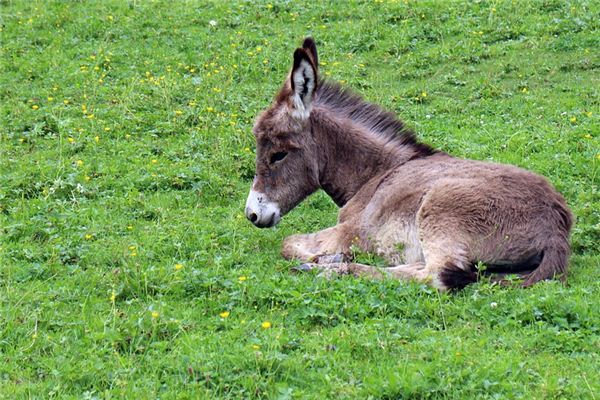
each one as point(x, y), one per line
point(432, 216)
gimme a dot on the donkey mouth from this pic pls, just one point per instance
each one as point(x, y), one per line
point(262, 222)
point(266, 223)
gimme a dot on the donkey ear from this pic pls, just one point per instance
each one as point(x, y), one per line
point(311, 48)
point(303, 82)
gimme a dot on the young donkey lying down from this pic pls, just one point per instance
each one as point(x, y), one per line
point(433, 217)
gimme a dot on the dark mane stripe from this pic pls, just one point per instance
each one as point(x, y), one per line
point(383, 123)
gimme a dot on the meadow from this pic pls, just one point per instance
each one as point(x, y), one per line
point(128, 268)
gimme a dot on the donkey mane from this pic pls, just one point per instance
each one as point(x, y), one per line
point(370, 116)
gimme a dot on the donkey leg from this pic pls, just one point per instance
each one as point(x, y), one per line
point(415, 271)
point(313, 246)
point(442, 277)
point(329, 270)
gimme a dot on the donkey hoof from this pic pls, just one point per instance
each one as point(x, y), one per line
point(303, 268)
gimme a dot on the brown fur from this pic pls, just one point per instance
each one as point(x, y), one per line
point(432, 216)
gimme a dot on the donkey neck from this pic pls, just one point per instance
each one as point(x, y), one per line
point(349, 155)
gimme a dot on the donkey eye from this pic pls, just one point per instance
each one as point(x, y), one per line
point(280, 155)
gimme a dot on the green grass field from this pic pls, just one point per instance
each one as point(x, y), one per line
point(127, 267)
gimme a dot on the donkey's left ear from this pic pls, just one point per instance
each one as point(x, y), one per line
point(311, 48)
point(303, 82)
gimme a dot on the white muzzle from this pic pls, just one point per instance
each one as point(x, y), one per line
point(260, 211)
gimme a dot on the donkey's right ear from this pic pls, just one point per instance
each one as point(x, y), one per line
point(303, 81)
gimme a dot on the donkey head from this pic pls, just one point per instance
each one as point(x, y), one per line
point(286, 153)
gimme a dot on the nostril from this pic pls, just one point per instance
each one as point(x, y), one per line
point(253, 217)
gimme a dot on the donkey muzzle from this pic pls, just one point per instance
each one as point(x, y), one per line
point(262, 212)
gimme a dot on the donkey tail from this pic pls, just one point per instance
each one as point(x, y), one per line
point(554, 263)
point(550, 263)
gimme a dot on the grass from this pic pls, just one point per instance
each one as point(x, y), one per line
point(126, 155)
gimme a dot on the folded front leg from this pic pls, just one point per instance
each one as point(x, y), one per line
point(309, 247)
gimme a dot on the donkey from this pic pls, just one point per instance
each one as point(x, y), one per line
point(434, 218)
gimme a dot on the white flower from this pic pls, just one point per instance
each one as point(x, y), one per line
point(493, 304)
point(212, 22)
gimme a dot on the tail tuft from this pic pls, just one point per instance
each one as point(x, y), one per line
point(456, 278)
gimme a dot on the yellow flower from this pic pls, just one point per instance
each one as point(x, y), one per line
point(113, 296)
point(573, 119)
point(178, 267)
point(242, 278)
point(50, 98)
point(97, 139)
point(70, 140)
point(598, 156)
point(588, 114)
point(129, 227)
point(66, 101)
point(524, 90)
point(133, 254)
point(154, 161)
point(266, 325)
point(106, 129)
point(87, 178)
point(224, 314)
point(132, 247)
point(155, 314)
point(255, 347)
point(178, 112)
point(587, 136)
point(79, 163)
point(35, 106)
point(88, 236)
